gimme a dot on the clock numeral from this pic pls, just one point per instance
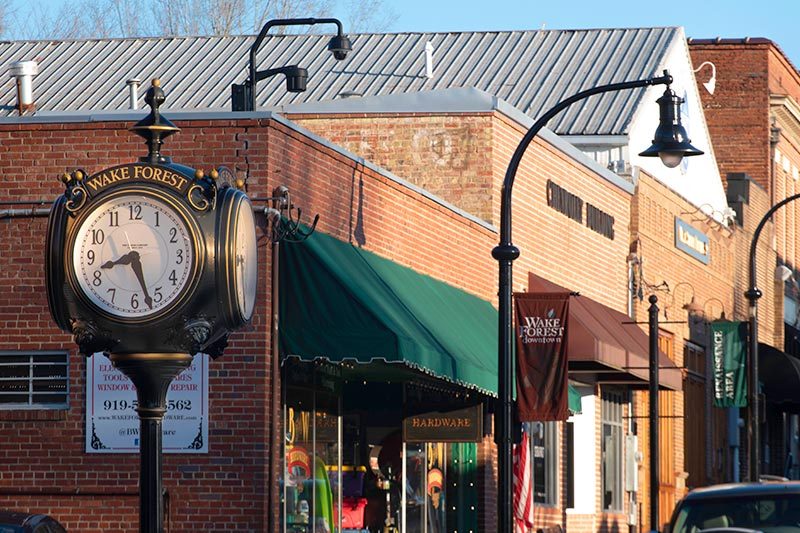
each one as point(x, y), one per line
point(135, 301)
point(179, 259)
point(158, 223)
point(90, 256)
point(98, 236)
point(173, 278)
point(113, 219)
point(97, 281)
point(135, 212)
point(173, 235)
point(157, 296)
point(113, 293)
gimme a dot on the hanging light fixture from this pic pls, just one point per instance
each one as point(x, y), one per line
point(693, 307)
point(671, 142)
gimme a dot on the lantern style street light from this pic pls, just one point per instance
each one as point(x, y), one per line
point(671, 144)
point(243, 96)
point(753, 293)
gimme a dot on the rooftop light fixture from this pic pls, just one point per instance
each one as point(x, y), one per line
point(711, 84)
point(243, 96)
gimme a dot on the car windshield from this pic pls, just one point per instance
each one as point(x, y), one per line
point(768, 513)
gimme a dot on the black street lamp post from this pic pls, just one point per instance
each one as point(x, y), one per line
point(670, 144)
point(655, 475)
point(753, 294)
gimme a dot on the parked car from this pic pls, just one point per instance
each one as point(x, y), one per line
point(12, 522)
point(770, 507)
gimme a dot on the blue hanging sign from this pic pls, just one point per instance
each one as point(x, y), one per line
point(691, 241)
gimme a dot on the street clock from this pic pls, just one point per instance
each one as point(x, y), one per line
point(151, 263)
point(151, 257)
point(134, 255)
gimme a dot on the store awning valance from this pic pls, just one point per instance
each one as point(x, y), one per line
point(340, 302)
point(779, 374)
point(604, 346)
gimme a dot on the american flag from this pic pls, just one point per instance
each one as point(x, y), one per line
point(523, 494)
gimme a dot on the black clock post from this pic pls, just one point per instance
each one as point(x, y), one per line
point(150, 263)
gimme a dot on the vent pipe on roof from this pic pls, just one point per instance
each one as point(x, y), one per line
point(133, 92)
point(24, 71)
point(429, 60)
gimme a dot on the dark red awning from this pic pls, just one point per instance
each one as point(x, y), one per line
point(604, 346)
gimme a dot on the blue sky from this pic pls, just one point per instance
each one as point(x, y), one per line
point(777, 20)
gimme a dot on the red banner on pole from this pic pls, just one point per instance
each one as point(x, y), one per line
point(542, 356)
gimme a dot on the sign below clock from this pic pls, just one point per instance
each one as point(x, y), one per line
point(112, 425)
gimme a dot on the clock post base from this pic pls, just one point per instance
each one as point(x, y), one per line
point(152, 374)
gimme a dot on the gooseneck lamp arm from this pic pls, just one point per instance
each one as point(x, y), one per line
point(253, 75)
point(753, 294)
point(505, 253)
point(508, 183)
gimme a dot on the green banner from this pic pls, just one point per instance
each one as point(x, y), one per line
point(728, 363)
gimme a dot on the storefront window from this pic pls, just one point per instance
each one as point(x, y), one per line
point(544, 460)
point(311, 500)
point(347, 468)
point(612, 449)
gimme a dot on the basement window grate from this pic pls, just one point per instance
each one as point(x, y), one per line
point(34, 380)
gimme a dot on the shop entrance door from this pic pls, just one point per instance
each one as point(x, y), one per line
point(424, 471)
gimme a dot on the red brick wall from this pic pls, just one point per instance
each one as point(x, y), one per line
point(447, 155)
point(783, 75)
point(737, 113)
point(355, 204)
point(723, 279)
point(462, 158)
point(44, 467)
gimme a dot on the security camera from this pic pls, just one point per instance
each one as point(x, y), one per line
point(339, 46)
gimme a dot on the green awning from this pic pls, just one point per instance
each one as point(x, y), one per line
point(340, 302)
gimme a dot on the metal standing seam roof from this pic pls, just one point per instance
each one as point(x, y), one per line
point(531, 70)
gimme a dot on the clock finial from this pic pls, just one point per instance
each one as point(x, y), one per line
point(154, 128)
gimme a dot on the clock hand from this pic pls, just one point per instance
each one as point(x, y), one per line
point(124, 260)
point(240, 260)
point(136, 265)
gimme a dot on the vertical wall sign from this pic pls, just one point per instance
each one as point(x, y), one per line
point(728, 363)
point(112, 425)
point(542, 386)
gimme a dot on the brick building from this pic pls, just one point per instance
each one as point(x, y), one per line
point(649, 261)
point(436, 218)
point(237, 465)
point(753, 122)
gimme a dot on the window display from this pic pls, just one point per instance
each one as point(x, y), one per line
point(348, 470)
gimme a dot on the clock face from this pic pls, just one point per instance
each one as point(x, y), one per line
point(245, 260)
point(133, 256)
